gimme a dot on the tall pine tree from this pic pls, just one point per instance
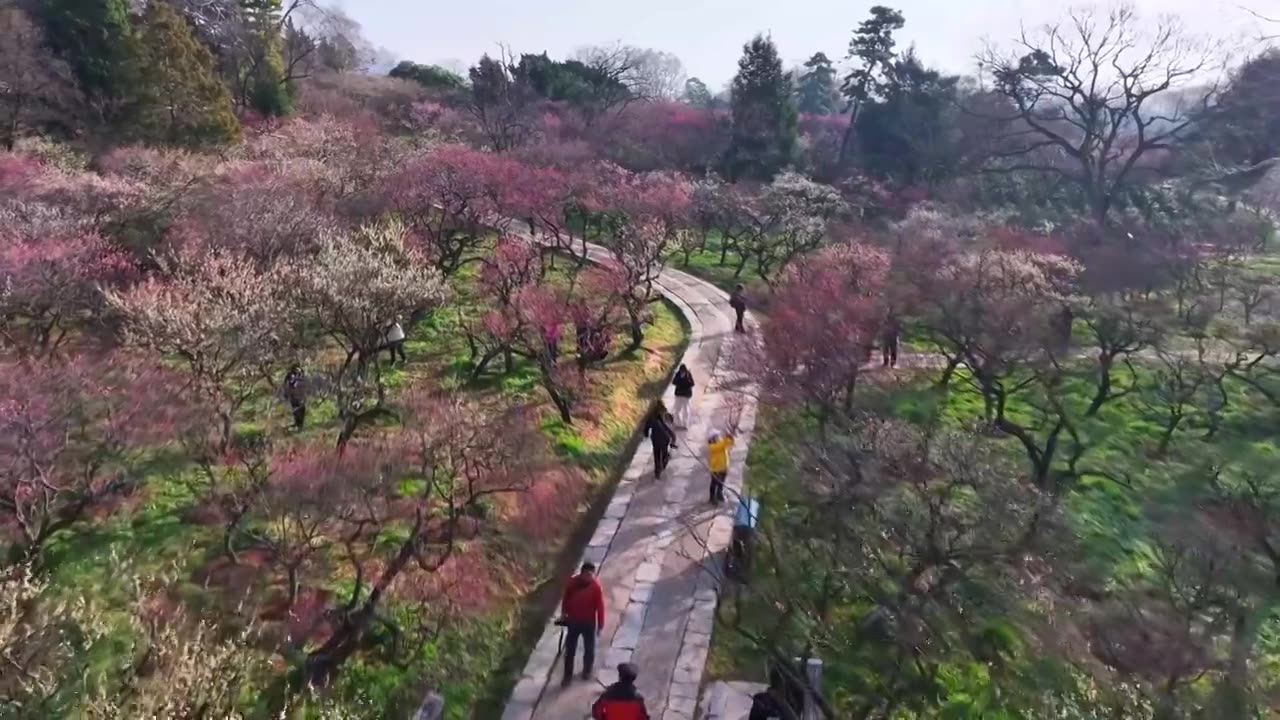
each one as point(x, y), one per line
point(264, 84)
point(95, 38)
point(873, 46)
point(764, 120)
point(816, 90)
point(179, 100)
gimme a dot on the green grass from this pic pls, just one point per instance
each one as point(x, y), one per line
point(475, 658)
point(705, 263)
point(1111, 521)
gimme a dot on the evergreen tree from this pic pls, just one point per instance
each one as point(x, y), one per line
point(179, 99)
point(94, 37)
point(816, 89)
point(909, 135)
point(265, 85)
point(764, 120)
point(432, 77)
point(696, 93)
point(872, 45)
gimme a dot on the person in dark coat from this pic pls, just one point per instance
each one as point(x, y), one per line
point(582, 614)
point(683, 383)
point(889, 339)
point(659, 431)
point(773, 703)
point(295, 392)
point(738, 301)
point(620, 701)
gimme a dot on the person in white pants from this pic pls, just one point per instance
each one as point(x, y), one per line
point(683, 383)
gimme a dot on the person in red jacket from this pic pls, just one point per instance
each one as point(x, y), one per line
point(582, 612)
point(620, 701)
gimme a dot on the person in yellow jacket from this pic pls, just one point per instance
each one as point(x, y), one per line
point(718, 446)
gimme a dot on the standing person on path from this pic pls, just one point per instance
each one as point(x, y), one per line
point(659, 431)
point(582, 613)
point(295, 392)
point(718, 446)
point(738, 301)
point(889, 338)
point(395, 342)
point(683, 383)
point(620, 701)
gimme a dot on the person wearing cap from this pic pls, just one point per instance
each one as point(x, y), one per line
point(582, 613)
point(620, 701)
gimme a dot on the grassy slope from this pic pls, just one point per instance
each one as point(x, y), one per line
point(1108, 518)
point(153, 533)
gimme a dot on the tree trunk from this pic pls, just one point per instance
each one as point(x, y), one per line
point(944, 382)
point(1103, 393)
point(637, 331)
point(1171, 426)
point(323, 663)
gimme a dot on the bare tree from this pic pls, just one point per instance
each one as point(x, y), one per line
point(1085, 97)
point(644, 73)
point(35, 86)
point(657, 75)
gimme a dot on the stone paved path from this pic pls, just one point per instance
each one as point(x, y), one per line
point(655, 540)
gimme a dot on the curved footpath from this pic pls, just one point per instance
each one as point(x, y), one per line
point(658, 541)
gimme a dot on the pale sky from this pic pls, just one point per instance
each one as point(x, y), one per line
point(708, 34)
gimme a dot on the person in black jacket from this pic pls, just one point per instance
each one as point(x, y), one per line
point(659, 431)
point(295, 392)
point(773, 704)
point(890, 336)
point(683, 383)
point(738, 301)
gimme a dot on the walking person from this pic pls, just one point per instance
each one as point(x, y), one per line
point(659, 431)
point(295, 392)
point(620, 701)
point(582, 614)
point(683, 383)
point(718, 446)
point(890, 336)
point(738, 301)
point(395, 342)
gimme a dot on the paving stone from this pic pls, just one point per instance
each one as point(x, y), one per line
point(697, 639)
point(615, 656)
point(649, 572)
point(595, 554)
point(528, 690)
point(692, 659)
point(686, 705)
point(642, 592)
point(617, 509)
point(628, 634)
point(673, 714)
point(604, 532)
point(684, 690)
point(653, 536)
point(685, 675)
point(516, 710)
point(702, 620)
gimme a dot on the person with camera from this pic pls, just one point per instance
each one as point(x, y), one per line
point(582, 616)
